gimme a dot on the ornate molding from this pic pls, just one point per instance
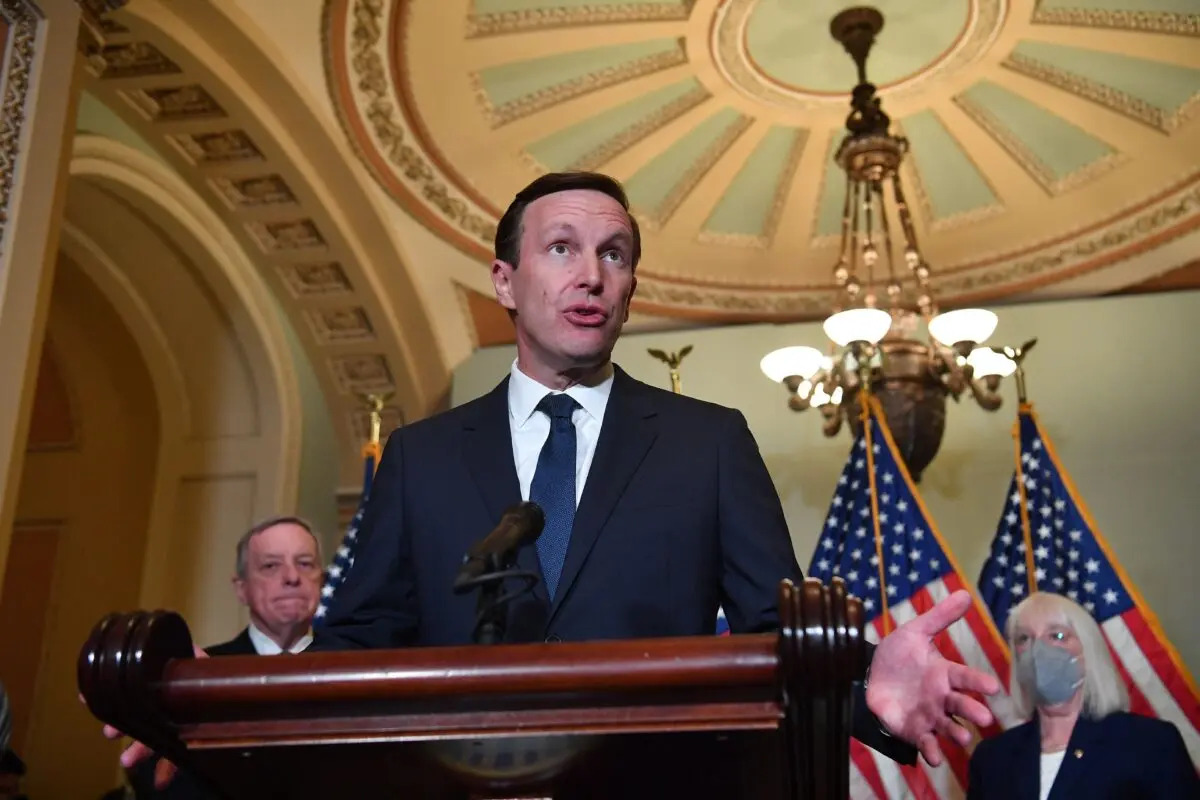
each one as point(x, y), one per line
point(561, 92)
point(22, 18)
point(1127, 233)
point(1085, 252)
point(911, 176)
point(727, 43)
point(1028, 160)
point(1171, 22)
point(1105, 95)
point(95, 24)
point(657, 217)
point(374, 100)
point(604, 153)
point(592, 14)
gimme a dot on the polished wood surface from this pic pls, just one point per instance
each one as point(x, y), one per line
point(757, 716)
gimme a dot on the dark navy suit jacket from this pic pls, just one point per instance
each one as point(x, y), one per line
point(678, 516)
point(1121, 757)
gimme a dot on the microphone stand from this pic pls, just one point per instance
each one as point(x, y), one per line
point(491, 609)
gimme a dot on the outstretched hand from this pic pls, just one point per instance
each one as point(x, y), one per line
point(917, 693)
point(164, 770)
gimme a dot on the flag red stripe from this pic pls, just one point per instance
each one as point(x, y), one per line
point(866, 767)
point(1154, 652)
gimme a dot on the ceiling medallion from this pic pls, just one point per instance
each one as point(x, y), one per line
point(731, 45)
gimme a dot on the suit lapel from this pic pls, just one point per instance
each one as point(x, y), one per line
point(488, 455)
point(1084, 739)
point(626, 434)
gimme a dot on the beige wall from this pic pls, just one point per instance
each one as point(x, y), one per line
point(1114, 381)
point(82, 516)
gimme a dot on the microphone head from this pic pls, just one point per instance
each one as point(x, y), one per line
point(532, 516)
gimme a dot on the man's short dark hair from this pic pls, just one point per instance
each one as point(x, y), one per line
point(243, 545)
point(508, 232)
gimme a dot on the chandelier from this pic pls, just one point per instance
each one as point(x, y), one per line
point(884, 294)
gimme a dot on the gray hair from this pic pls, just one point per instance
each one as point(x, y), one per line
point(243, 545)
point(1103, 689)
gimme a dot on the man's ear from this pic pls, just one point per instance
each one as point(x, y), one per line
point(502, 273)
point(629, 299)
point(239, 588)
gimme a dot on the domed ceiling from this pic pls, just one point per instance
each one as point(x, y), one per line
point(1047, 138)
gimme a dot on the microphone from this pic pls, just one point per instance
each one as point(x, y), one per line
point(520, 525)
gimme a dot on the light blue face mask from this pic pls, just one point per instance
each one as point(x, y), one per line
point(1051, 673)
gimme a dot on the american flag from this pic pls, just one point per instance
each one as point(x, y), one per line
point(1048, 540)
point(343, 559)
point(880, 539)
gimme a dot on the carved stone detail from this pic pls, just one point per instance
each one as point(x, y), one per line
point(561, 92)
point(362, 374)
point(22, 18)
point(285, 235)
point(376, 102)
point(130, 60)
point(593, 14)
point(1117, 100)
point(340, 325)
point(175, 103)
point(1028, 159)
point(1172, 22)
point(656, 217)
point(253, 192)
point(1115, 237)
point(216, 148)
point(315, 280)
point(634, 133)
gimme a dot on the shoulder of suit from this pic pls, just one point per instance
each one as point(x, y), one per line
point(990, 747)
point(665, 398)
point(1139, 727)
point(235, 646)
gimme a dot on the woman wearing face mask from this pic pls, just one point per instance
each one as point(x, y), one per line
point(1081, 742)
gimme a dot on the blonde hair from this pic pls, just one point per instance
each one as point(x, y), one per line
point(1103, 690)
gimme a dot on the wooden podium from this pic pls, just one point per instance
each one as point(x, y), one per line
point(760, 716)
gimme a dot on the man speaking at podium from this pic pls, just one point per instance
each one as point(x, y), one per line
point(658, 508)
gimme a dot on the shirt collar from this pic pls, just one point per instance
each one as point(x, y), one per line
point(266, 646)
point(524, 394)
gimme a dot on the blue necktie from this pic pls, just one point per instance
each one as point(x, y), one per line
point(553, 486)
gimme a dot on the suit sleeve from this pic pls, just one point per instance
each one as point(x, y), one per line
point(376, 605)
point(757, 553)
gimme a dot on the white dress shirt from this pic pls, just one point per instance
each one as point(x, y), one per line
point(530, 427)
point(1049, 768)
point(265, 646)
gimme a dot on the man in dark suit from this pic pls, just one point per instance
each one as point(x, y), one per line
point(277, 576)
point(658, 507)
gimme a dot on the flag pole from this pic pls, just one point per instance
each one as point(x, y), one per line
point(371, 448)
point(1017, 356)
point(865, 398)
